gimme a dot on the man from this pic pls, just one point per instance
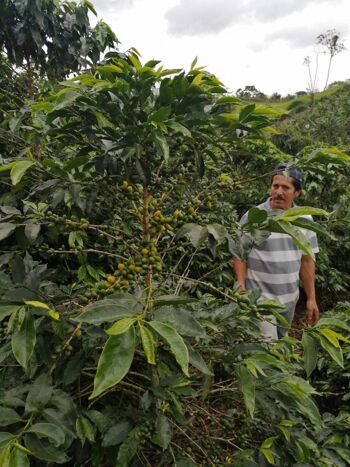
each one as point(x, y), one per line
point(275, 265)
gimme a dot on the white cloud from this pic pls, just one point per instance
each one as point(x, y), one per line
point(107, 6)
point(274, 9)
point(194, 17)
point(246, 43)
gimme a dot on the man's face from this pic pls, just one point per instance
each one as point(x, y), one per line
point(283, 192)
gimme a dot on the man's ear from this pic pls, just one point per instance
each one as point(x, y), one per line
point(297, 193)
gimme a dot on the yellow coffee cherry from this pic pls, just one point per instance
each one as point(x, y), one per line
point(111, 279)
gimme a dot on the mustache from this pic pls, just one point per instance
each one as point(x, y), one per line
point(278, 197)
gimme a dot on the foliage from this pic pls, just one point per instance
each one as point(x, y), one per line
point(250, 93)
point(53, 37)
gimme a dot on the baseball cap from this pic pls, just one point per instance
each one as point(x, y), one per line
point(292, 171)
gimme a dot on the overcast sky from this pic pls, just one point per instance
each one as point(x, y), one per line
point(243, 42)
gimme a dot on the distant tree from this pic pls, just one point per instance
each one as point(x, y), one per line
point(250, 92)
point(312, 81)
point(333, 44)
point(275, 97)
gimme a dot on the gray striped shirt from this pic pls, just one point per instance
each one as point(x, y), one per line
point(274, 265)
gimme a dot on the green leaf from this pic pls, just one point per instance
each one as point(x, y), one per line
point(114, 362)
point(5, 438)
point(37, 304)
point(31, 231)
point(5, 168)
point(54, 315)
point(120, 326)
point(175, 342)
point(327, 322)
point(116, 434)
point(247, 383)
point(53, 432)
point(128, 449)
point(106, 69)
point(23, 341)
point(179, 128)
point(7, 310)
point(162, 143)
point(271, 130)
point(135, 61)
point(181, 320)
point(147, 344)
point(18, 458)
point(218, 231)
point(198, 362)
point(76, 162)
point(43, 450)
point(299, 386)
point(163, 300)
point(228, 100)
point(18, 170)
point(197, 79)
point(310, 353)
point(269, 455)
point(245, 112)
point(309, 409)
point(100, 420)
point(39, 394)
point(298, 237)
point(194, 63)
point(254, 367)
point(294, 213)
point(195, 233)
point(308, 224)
point(8, 416)
point(257, 216)
point(163, 432)
point(332, 336)
point(267, 443)
point(85, 430)
point(329, 155)
point(264, 110)
point(160, 115)
point(6, 229)
point(106, 310)
point(65, 98)
point(5, 456)
point(335, 352)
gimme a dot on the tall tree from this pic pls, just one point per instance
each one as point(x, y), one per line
point(53, 37)
point(333, 44)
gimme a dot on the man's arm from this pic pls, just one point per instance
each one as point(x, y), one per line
point(307, 275)
point(240, 271)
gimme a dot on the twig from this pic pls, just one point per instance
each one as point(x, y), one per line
point(191, 440)
point(227, 441)
point(66, 344)
point(185, 273)
point(179, 448)
point(206, 284)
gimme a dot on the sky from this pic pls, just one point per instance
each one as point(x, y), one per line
point(243, 42)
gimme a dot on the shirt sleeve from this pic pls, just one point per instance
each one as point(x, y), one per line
point(311, 235)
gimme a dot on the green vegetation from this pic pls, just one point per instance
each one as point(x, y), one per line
point(123, 337)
